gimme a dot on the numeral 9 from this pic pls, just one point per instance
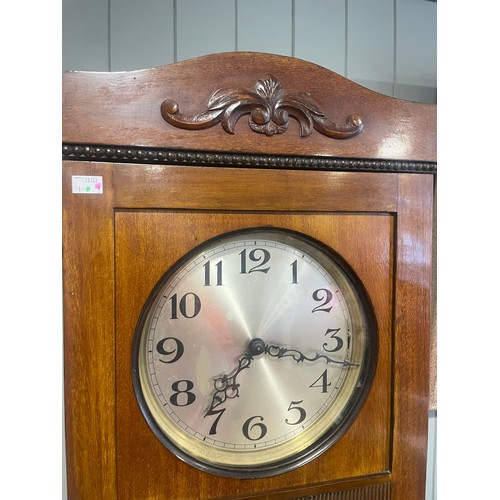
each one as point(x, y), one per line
point(178, 350)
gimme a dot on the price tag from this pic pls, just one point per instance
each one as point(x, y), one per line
point(86, 184)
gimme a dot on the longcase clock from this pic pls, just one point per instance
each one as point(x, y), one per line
point(247, 276)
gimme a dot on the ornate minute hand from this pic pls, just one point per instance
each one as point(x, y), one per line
point(226, 386)
point(281, 352)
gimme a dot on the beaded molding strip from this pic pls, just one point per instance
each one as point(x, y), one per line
point(126, 154)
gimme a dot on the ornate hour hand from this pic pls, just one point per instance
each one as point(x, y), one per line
point(226, 386)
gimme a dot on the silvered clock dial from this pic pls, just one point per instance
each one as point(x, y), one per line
point(254, 353)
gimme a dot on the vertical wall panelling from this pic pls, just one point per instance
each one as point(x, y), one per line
point(386, 45)
point(85, 35)
point(141, 34)
point(204, 27)
point(370, 44)
point(431, 486)
point(320, 33)
point(416, 48)
point(265, 26)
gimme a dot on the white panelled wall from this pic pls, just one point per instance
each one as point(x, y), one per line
point(385, 45)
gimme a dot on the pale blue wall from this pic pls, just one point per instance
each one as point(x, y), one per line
point(386, 45)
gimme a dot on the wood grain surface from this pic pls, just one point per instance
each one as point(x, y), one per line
point(124, 108)
point(160, 238)
point(117, 245)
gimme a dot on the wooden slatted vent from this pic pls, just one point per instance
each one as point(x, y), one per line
point(381, 491)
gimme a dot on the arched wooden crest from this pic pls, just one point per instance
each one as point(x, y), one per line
point(269, 107)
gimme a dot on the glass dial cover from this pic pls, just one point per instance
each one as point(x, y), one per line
point(254, 353)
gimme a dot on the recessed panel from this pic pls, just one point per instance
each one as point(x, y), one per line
point(148, 243)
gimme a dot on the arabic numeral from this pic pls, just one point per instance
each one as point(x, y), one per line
point(302, 413)
point(189, 305)
point(258, 429)
point(208, 273)
point(260, 256)
point(293, 265)
point(339, 343)
point(324, 296)
point(182, 395)
point(323, 382)
point(169, 346)
point(213, 428)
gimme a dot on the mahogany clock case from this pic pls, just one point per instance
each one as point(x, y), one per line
point(346, 166)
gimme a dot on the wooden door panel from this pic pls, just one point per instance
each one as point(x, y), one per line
point(208, 188)
point(147, 243)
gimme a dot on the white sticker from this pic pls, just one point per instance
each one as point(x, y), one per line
point(86, 184)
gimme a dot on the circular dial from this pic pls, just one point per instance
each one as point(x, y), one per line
point(254, 353)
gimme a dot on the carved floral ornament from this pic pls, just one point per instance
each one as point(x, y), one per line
point(269, 107)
